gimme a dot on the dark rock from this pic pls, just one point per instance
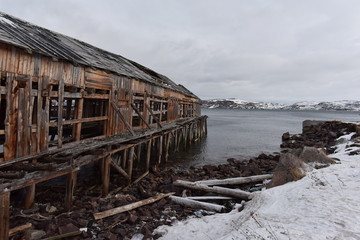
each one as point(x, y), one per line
point(133, 218)
point(68, 228)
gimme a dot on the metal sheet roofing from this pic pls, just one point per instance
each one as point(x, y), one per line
point(43, 41)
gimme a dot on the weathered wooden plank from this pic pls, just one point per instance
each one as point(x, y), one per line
point(130, 206)
point(120, 170)
point(4, 215)
point(148, 155)
point(60, 111)
point(128, 126)
point(82, 120)
point(11, 118)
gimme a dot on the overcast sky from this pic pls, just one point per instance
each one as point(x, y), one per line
point(258, 50)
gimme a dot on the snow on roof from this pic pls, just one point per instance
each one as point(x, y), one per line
point(322, 205)
point(40, 40)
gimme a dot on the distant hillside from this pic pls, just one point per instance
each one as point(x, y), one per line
point(233, 103)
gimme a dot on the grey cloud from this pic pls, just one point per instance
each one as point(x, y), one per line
point(280, 51)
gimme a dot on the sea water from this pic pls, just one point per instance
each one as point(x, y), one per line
point(242, 134)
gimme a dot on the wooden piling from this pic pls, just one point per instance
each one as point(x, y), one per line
point(70, 187)
point(4, 215)
point(105, 174)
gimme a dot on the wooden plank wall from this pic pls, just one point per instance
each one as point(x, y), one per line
point(34, 83)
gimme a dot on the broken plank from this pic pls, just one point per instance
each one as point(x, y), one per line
point(20, 228)
point(131, 206)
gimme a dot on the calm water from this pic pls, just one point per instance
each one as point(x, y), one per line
point(242, 134)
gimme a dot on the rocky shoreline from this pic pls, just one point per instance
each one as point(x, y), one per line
point(48, 217)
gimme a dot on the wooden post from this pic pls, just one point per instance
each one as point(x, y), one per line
point(130, 162)
point(177, 140)
point(78, 115)
point(70, 186)
point(160, 149)
point(167, 145)
point(4, 215)
point(138, 155)
point(60, 111)
point(105, 174)
point(123, 158)
point(148, 155)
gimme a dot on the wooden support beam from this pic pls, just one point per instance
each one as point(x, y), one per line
point(167, 146)
point(160, 149)
point(153, 115)
point(70, 187)
point(124, 158)
point(105, 174)
point(60, 111)
point(140, 115)
point(4, 215)
point(30, 196)
point(127, 125)
point(148, 154)
point(120, 170)
point(138, 156)
point(130, 162)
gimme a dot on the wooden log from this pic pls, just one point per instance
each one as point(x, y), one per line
point(235, 181)
point(167, 146)
point(20, 228)
point(70, 187)
point(196, 204)
point(120, 170)
point(237, 193)
point(105, 174)
point(206, 198)
point(130, 162)
point(148, 155)
point(160, 149)
point(4, 215)
point(60, 111)
point(141, 177)
point(131, 206)
point(12, 175)
point(29, 167)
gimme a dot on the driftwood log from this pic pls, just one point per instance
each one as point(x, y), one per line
point(19, 228)
point(196, 204)
point(130, 206)
point(237, 193)
point(235, 181)
point(207, 198)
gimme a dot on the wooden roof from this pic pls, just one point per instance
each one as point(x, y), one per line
point(36, 39)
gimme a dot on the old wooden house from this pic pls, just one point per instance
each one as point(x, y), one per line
point(65, 104)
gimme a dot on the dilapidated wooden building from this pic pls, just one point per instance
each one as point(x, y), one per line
point(65, 104)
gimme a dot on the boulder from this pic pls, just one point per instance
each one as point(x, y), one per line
point(290, 168)
point(310, 154)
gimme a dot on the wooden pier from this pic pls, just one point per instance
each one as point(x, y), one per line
point(65, 104)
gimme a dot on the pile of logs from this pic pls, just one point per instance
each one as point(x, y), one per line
point(212, 186)
point(197, 202)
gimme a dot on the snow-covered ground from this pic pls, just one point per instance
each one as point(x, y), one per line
point(325, 204)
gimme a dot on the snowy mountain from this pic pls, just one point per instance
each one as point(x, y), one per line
point(233, 103)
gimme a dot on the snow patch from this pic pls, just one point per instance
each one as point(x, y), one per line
point(322, 205)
